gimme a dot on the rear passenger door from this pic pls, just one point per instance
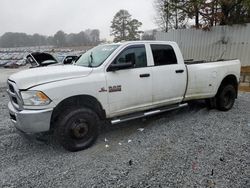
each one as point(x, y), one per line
point(169, 77)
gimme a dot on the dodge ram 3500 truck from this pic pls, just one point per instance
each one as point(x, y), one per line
point(115, 82)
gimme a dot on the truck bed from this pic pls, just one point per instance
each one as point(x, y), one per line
point(204, 78)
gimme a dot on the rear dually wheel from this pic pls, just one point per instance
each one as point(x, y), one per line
point(226, 97)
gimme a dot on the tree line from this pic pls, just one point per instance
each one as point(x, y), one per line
point(177, 14)
point(60, 39)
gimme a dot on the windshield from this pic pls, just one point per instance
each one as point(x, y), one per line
point(96, 56)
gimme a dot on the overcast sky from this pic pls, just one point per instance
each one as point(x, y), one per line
point(72, 16)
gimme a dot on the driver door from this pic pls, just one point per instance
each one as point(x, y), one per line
point(130, 89)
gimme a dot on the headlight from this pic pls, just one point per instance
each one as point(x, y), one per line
point(35, 98)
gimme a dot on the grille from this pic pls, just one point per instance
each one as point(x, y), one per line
point(14, 95)
point(13, 117)
point(11, 88)
point(14, 99)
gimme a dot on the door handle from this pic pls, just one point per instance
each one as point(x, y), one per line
point(144, 75)
point(179, 71)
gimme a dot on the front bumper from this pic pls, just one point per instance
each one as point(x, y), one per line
point(30, 121)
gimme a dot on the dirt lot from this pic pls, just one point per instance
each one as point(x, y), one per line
point(192, 147)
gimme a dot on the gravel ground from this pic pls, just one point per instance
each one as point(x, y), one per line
point(192, 147)
point(5, 73)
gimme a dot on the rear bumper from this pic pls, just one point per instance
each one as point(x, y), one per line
point(30, 121)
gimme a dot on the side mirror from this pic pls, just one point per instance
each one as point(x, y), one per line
point(119, 66)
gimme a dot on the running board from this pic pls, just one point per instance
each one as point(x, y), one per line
point(148, 113)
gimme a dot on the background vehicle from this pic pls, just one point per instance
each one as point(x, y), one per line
point(3, 62)
point(40, 59)
point(66, 59)
point(118, 82)
point(11, 64)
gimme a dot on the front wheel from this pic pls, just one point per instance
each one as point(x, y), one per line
point(77, 129)
point(226, 98)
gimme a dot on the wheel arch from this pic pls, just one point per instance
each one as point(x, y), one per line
point(229, 79)
point(79, 101)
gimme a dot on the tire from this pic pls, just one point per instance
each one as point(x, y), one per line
point(77, 129)
point(226, 98)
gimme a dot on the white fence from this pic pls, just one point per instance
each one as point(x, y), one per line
point(221, 42)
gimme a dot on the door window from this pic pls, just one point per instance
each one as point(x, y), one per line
point(135, 55)
point(163, 54)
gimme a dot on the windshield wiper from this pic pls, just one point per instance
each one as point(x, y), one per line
point(91, 59)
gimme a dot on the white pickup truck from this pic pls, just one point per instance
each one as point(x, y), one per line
point(115, 82)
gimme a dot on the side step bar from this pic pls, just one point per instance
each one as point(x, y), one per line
point(148, 113)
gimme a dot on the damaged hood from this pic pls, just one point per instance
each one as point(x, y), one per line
point(37, 76)
point(40, 59)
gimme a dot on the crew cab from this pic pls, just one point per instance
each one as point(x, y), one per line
point(115, 82)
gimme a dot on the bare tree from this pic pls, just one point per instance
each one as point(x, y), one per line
point(174, 14)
